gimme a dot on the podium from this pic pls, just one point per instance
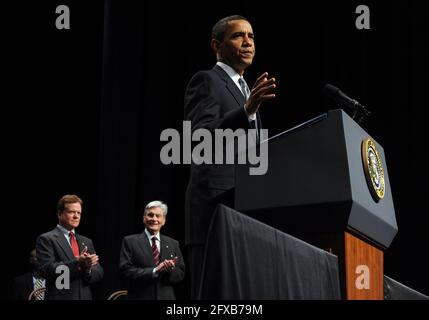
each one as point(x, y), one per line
point(327, 183)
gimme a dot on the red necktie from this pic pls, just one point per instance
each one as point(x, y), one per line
point(155, 251)
point(74, 245)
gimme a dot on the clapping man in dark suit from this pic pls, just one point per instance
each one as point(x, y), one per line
point(151, 261)
point(220, 99)
point(68, 260)
point(26, 283)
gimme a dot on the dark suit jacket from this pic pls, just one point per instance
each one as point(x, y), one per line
point(22, 286)
point(212, 101)
point(54, 250)
point(136, 264)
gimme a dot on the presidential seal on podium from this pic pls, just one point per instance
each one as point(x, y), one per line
point(373, 169)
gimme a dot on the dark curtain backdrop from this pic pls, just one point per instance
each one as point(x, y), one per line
point(90, 103)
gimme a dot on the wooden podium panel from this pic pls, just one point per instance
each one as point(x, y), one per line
point(363, 269)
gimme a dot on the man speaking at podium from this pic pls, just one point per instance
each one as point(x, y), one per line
point(219, 99)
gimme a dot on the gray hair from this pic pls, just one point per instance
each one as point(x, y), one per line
point(156, 204)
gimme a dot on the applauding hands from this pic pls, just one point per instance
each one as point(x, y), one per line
point(166, 265)
point(87, 261)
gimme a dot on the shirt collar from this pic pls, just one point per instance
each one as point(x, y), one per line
point(149, 235)
point(64, 230)
point(234, 75)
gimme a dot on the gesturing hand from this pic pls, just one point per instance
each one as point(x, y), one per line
point(261, 91)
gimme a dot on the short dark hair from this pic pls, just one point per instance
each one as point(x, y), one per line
point(66, 199)
point(220, 28)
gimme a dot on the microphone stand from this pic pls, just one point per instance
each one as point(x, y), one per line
point(360, 113)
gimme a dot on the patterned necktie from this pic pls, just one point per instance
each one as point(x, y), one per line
point(155, 251)
point(37, 285)
point(73, 244)
point(246, 92)
point(244, 88)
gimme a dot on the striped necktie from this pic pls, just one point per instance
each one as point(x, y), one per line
point(155, 251)
point(244, 88)
point(37, 285)
point(246, 93)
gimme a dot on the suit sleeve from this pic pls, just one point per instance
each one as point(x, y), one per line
point(47, 260)
point(178, 274)
point(203, 106)
point(18, 289)
point(126, 263)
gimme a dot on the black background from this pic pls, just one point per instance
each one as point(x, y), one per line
point(88, 105)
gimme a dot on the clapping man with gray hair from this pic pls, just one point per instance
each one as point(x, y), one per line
point(150, 261)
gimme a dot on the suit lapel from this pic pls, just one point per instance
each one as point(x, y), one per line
point(165, 248)
point(145, 246)
point(81, 243)
point(163, 245)
point(59, 236)
point(29, 282)
point(233, 89)
point(230, 85)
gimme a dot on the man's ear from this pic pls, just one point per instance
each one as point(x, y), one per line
point(215, 44)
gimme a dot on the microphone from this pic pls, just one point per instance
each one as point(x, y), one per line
point(359, 111)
